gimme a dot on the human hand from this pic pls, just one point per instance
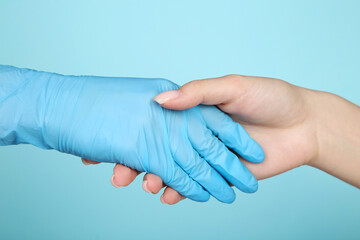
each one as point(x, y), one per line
point(116, 120)
point(275, 113)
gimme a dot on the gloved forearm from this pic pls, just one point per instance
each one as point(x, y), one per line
point(25, 103)
point(19, 93)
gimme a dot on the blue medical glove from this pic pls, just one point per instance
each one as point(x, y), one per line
point(115, 120)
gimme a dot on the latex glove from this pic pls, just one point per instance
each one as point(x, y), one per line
point(115, 120)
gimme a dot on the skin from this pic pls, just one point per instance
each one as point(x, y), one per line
point(295, 126)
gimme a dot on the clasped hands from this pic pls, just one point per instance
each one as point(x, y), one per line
point(277, 115)
point(193, 149)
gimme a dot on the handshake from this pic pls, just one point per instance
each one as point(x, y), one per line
point(192, 139)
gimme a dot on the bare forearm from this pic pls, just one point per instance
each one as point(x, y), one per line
point(338, 133)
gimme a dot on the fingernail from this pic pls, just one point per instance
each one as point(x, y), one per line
point(162, 199)
point(84, 162)
point(144, 185)
point(112, 180)
point(166, 96)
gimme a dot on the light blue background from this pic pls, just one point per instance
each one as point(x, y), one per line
point(48, 195)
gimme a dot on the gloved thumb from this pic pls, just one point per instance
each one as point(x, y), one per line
point(212, 91)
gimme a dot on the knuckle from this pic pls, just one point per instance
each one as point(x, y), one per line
point(234, 79)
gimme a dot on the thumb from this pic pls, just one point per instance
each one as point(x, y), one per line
point(212, 91)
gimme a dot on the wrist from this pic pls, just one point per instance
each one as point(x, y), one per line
point(318, 111)
point(338, 136)
point(325, 111)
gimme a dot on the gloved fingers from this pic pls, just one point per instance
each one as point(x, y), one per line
point(88, 162)
point(228, 165)
point(220, 157)
point(170, 196)
point(152, 183)
point(186, 186)
point(123, 176)
point(199, 170)
point(232, 134)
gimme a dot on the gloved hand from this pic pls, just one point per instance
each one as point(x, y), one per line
point(115, 120)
